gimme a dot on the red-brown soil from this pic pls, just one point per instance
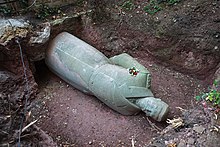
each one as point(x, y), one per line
point(178, 45)
point(74, 118)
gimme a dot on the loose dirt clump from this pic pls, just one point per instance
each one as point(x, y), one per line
point(200, 128)
point(13, 118)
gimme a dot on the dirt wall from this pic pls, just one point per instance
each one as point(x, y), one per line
point(184, 36)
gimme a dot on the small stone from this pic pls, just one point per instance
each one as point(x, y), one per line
point(90, 142)
point(182, 143)
point(191, 141)
point(201, 140)
point(58, 138)
point(199, 129)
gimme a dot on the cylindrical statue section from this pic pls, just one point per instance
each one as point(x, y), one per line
point(74, 60)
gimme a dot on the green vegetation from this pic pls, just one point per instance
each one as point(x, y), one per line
point(79, 2)
point(13, 7)
point(152, 8)
point(5, 10)
point(212, 96)
point(172, 2)
point(23, 3)
point(128, 5)
point(43, 11)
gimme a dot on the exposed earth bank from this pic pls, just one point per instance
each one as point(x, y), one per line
point(179, 45)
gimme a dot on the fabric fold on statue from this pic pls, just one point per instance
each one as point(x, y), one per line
point(120, 82)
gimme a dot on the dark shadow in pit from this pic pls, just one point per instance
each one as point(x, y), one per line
point(42, 73)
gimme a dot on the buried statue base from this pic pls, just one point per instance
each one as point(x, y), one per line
point(120, 82)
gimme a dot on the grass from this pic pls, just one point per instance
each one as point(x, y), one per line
point(154, 5)
point(152, 8)
point(43, 11)
point(5, 10)
point(128, 5)
point(172, 2)
point(212, 96)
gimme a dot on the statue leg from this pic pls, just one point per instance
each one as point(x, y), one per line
point(153, 107)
